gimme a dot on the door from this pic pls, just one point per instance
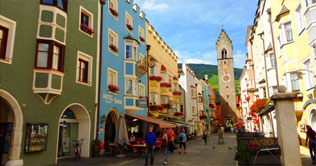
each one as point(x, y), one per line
point(68, 134)
point(5, 141)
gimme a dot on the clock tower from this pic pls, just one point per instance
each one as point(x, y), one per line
point(226, 80)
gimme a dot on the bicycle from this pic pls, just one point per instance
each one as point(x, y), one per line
point(77, 147)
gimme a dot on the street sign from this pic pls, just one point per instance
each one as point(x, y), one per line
point(142, 102)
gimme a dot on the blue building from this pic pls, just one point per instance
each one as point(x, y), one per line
point(123, 45)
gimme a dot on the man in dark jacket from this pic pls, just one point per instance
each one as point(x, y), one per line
point(150, 140)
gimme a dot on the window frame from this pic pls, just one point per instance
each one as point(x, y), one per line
point(299, 19)
point(141, 34)
point(115, 7)
point(86, 71)
point(85, 12)
point(50, 55)
point(309, 76)
point(55, 4)
point(130, 18)
point(288, 24)
point(142, 90)
point(154, 69)
point(89, 59)
point(134, 87)
point(4, 42)
point(293, 81)
point(134, 50)
point(115, 37)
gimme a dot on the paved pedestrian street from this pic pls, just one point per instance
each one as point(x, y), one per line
point(197, 154)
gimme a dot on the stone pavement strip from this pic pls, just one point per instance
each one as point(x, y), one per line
point(198, 154)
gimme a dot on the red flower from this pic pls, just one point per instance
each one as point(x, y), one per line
point(114, 12)
point(113, 47)
point(156, 78)
point(177, 93)
point(113, 88)
point(163, 68)
point(141, 39)
point(129, 27)
point(86, 28)
point(165, 84)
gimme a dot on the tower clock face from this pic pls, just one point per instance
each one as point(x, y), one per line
point(226, 77)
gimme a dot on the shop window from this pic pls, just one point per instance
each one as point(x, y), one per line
point(86, 21)
point(129, 22)
point(61, 4)
point(84, 69)
point(49, 55)
point(113, 42)
point(3, 41)
point(36, 137)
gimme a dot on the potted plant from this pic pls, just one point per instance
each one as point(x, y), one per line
point(141, 39)
point(114, 12)
point(113, 88)
point(96, 148)
point(113, 47)
point(129, 27)
point(245, 153)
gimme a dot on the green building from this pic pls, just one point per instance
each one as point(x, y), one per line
point(48, 67)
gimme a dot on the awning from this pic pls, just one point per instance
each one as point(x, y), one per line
point(267, 110)
point(162, 124)
point(179, 124)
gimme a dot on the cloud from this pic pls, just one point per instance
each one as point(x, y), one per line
point(239, 59)
point(197, 61)
point(153, 5)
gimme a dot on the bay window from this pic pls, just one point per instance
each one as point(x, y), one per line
point(288, 32)
point(49, 55)
point(130, 87)
point(153, 98)
point(61, 4)
point(131, 52)
point(164, 100)
point(153, 71)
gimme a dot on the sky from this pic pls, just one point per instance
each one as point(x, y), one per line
point(191, 27)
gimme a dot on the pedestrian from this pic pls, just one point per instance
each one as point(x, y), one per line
point(182, 141)
point(150, 140)
point(232, 129)
point(164, 145)
point(255, 129)
point(221, 136)
point(204, 137)
point(310, 136)
point(171, 145)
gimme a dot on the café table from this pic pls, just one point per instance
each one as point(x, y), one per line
point(139, 148)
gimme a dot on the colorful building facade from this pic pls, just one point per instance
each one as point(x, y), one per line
point(123, 48)
point(48, 99)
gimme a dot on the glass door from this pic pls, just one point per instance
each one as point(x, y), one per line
point(68, 134)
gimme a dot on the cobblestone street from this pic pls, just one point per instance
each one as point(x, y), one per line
point(197, 154)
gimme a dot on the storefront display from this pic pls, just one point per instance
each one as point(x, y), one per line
point(36, 137)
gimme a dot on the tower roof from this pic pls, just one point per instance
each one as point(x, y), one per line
point(223, 36)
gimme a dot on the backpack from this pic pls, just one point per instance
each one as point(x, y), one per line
point(181, 138)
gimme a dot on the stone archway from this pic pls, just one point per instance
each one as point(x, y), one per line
point(312, 118)
point(110, 126)
point(82, 118)
point(16, 135)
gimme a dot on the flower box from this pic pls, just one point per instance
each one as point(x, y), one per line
point(141, 39)
point(177, 93)
point(129, 27)
point(113, 12)
point(179, 114)
point(163, 68)
point(165, 84)
point(86, 29)
point(156, 78)
point(203, 117)
point(259, 105)
point(113, 48)
point(113, 88)
point(211, 105)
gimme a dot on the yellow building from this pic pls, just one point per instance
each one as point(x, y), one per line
point(164, 93)
point(295, 56)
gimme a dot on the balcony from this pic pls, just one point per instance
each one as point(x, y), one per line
point(153, 86)
point(310, 14)
point(47, 84)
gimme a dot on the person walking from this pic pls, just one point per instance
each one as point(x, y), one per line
point(221, 135)
point(150, 140)
point(170, 135)
point(204, 137)
point(165, 146)
point(182, 141)
point(310, 136)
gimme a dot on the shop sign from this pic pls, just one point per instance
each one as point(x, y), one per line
point(142, 102)
point(258, 141)
point(110, 99)
point(172, 110)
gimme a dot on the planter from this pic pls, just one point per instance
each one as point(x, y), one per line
point(263, 160)
point(113, 48)
point(114, 12)
point(129, 27)
point(141, 39)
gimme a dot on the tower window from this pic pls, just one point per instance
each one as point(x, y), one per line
point(224, 54)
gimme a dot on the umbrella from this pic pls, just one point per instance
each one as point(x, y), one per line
point(240, 123)
point(121, 135)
